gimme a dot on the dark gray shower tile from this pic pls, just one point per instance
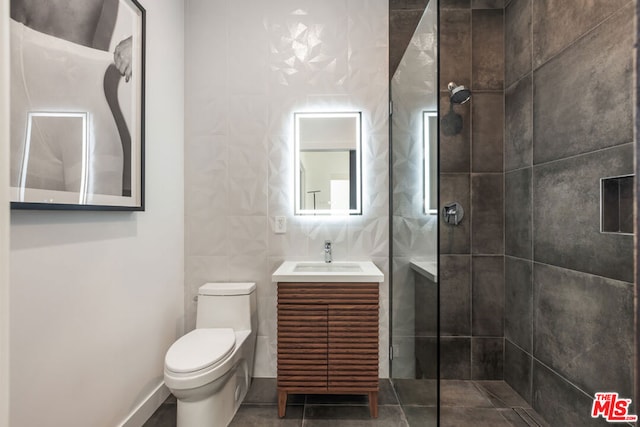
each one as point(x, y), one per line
point(455, 146)
point(487, 295)
point(584, 110)
point(626, 204)
point(579, 319)
point(517, 369)
point(477, 417)
point(567, 230)
point(455, 294)
point(487, 214)
point(487, 4)
point(455, 4)
point(417, 392)
point(518, 117)
point(518, 213)
point(487, 357)
point(267, 416)
point(487, 49)
point(402, 25)
point(559, 402)
point(455, 358)
point(426, 306)
point(517, 46)
point(455, 47)
point(518, 303)
point(426, 358)
point(557, 23)
point(455, 239)
point(487, 134)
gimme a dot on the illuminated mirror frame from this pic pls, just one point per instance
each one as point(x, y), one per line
point(429, 169)
point(297, 185)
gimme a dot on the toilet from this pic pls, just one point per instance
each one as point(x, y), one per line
point(209, 369)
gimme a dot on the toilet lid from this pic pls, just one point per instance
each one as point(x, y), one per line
point(200, 349)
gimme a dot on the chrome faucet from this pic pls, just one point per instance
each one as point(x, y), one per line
point(327, 251)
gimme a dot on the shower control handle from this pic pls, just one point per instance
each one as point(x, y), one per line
point(452, 213)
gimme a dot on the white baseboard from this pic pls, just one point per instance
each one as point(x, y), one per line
point(144, 410)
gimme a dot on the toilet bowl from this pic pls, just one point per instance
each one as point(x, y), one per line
point(209, 369)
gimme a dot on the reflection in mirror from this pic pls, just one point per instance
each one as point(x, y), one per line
point(327, 163)
point(430, 170)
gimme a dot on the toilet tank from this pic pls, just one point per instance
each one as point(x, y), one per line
point(227, 305)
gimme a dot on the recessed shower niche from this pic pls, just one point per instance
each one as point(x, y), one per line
point(616, 204)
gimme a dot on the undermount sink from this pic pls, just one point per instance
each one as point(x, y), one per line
point(337, 271)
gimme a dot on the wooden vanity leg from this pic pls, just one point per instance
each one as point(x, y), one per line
point(282, 403)
point(373, 404)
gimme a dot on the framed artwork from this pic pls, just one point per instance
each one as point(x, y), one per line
point(77, 105)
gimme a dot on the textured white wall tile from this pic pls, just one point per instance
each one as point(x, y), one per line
point(278, 58)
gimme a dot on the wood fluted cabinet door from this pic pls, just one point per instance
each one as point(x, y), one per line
point(328, 335)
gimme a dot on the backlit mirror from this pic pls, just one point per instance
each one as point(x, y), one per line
point(430, 144)
point(327, 163)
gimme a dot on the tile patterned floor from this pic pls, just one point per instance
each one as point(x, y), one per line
point(405, 403)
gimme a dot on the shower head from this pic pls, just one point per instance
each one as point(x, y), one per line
point(459, 94)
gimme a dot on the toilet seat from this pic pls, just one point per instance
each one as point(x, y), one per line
point(202, 348)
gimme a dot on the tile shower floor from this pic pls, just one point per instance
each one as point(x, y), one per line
point(403, 403)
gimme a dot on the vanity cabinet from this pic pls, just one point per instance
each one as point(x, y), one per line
point(328, 340)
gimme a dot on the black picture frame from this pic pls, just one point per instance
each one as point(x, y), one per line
point(78, 112)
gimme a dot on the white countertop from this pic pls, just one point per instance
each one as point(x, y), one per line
point(337, 271)
point(429, 269)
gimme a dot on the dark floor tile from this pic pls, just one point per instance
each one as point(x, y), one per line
point(501, 395)
point(386, 394)
point(476, 417)
point(523, 418)
point(352, 416)
point(421, 416)
point(265, 391)
point(583, 110)
point(266, 416)
point(416, 392)
point(458, 393)
point(165, 416)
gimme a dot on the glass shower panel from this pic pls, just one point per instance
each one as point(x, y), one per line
point(414, 94)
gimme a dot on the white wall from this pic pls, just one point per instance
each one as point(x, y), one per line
point(250, 65)
point(4, 213)
point(97, 297)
